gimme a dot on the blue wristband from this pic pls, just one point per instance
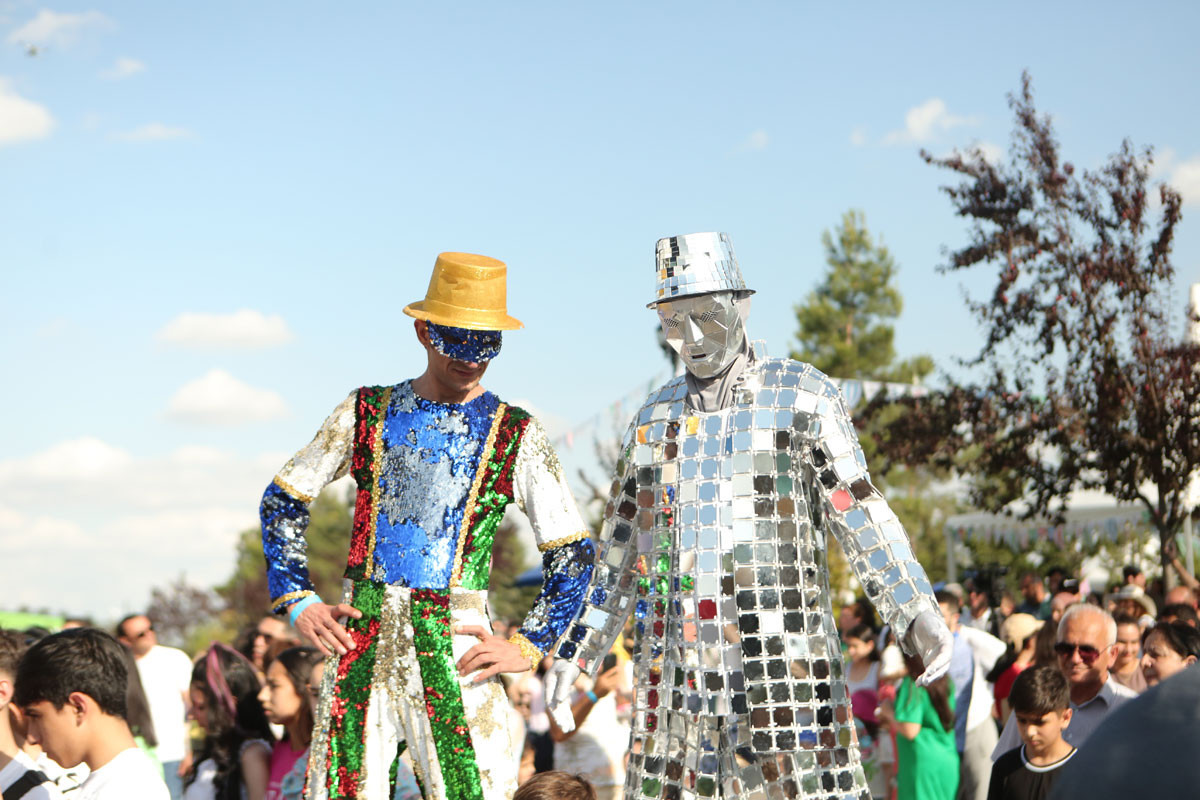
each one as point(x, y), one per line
point(297, 607)
point(592, 696)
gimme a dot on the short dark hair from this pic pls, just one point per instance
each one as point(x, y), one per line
point(125, 619)
point(1039, 690)
point(12, 647)
point(554, 785)
point(949, 598)
point(1182, 612)
point(1124, 619)
point(1129, 570)
point(1179, 636)
point(77, 660)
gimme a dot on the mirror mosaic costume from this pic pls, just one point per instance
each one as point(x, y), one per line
point(433, 480)
point(732, 477)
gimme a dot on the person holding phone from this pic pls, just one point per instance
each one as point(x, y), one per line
point(596, 748)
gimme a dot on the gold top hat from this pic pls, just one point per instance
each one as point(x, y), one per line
point(466, 291)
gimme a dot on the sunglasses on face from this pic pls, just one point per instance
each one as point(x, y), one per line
point(1087, 653)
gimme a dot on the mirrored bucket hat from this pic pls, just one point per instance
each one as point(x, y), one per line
point(466, 291)
point(696, 263)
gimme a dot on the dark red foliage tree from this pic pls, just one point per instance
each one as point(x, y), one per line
point(1084, 380)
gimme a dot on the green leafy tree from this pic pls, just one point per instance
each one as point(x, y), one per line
point(845, 329)
point(844, 325)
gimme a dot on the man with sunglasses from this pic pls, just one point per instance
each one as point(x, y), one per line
point(1086, 647)
point(166, 674)
point(435, 460)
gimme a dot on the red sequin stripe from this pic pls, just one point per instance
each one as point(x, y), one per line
point(355, 670)
point(495, 490)
point(369, 410)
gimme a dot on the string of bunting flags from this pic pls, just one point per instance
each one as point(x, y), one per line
point(1089, 525)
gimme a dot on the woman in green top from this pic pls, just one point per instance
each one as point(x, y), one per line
point(924, 725)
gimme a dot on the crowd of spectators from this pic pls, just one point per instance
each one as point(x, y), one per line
point(1033, 676)
point(1030, 683)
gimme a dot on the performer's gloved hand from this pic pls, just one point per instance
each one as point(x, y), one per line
point(560, 682)
point(929, 638)
point(319, 624)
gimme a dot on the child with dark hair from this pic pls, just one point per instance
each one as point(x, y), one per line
point(19, 773)
point(71, 687)
point(287, 702)
point(862, 669)
point(923, 721)
point(1178, 612)
point(1041, 702)
point(234, 761)
point(555, 785)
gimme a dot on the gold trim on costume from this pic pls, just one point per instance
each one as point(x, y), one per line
point(376, 468)
point(292, 490)
point(456, 573)
point(553, 543)
point(528, 649)
point(290, 596)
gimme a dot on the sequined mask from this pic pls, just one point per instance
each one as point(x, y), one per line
point(461, 344)
point(706, 330)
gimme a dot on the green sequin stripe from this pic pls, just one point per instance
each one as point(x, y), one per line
point(443, 698)
point(495, 492)
point(353, 689)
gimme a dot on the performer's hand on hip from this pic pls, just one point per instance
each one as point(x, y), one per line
point(560, 682)
point(493, 655)
point(319, 624)
point(929, 638)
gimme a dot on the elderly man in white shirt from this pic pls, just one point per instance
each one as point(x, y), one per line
point(1086, 647)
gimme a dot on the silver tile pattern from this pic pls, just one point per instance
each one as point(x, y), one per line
point(715, 541)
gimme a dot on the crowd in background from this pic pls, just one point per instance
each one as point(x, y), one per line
point(235, 721)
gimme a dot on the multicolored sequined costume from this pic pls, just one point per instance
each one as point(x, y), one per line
point(433, 481)
point(714, 539)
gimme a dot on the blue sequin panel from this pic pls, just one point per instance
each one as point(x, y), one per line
point(462, 344)
point(430, 454)
point(567, 570)
point(284, 519)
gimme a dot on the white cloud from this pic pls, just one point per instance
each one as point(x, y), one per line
point(21, 120)
point(153, 132)
point(75, 459)
point(1185, 176)
point(60, 30)
point(923, 122)
point(89, 528)
point(245, 328)
point(992, 153)
point(218, 398)
point(858, 136)
point(124, 68)
point(755, 141)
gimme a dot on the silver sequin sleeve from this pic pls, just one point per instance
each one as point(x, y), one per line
point(284, 508)
point(540, 490)
point(323, 460)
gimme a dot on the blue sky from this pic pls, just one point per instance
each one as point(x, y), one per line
point(213, 213)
